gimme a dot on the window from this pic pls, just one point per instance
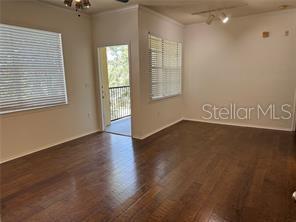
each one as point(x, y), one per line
point(165, 67)
point(31, 69)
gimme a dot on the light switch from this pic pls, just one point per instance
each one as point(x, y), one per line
point(265, 34)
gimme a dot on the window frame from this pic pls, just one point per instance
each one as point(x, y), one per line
point(36, 108)
point(150, 72)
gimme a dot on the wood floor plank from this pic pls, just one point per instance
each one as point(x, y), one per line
point(189, 172)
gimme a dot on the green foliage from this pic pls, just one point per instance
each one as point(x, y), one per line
point(118, 65)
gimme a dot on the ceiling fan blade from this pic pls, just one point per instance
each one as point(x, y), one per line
point(124, 1)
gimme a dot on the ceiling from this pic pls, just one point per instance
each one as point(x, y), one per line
point(181, 10)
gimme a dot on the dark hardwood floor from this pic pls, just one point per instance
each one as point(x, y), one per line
point(190, 172)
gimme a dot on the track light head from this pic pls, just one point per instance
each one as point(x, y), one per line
point(210, 19)
point(224, 18)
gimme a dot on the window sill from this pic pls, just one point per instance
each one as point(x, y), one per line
point(32, 109)
point(165, 97)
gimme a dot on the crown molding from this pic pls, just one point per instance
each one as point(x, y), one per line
point(118, 10)
point(168, 19)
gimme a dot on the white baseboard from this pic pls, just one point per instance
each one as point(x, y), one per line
point(159, 129)
point(147, 135)
point(240, 125)
point(214, 122)
point(49, 146)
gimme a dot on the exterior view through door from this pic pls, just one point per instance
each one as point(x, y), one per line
point(115, 89)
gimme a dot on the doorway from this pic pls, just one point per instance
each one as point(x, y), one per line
point(114, 72)
point(294, 113)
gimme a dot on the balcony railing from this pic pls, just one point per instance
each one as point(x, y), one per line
point(120, 102)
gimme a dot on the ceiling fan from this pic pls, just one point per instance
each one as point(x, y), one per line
point(84, 4)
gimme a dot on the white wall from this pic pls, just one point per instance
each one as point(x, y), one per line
point(232, 63)
point(131, 25)
point(223, 64)
point(294, 116)
point(29, 131)
point(121, 27)
point(156, 115)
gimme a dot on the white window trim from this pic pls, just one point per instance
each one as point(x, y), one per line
point(150, 74)
point(63, 70)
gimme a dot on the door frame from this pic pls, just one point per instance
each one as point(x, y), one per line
point(294, 114)
point(99, 85)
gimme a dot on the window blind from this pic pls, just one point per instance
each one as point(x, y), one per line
point(31, 69)
point(165, 67)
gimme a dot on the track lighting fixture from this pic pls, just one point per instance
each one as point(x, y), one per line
point(219, 13)
point(223, 17)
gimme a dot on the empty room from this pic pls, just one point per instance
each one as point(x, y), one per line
point(148, 110)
